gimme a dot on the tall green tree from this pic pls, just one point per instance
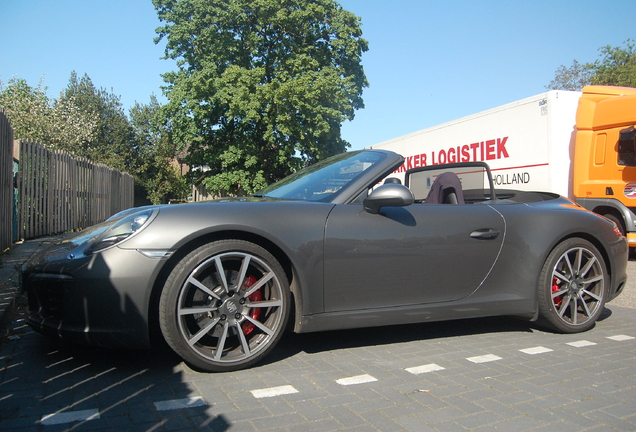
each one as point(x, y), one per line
point(616, 67)
point(262, 86)
point(111, 144)
point(33, 115)
point(156, 171)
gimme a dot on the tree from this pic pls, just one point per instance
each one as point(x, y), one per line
point(153, 142)
point(617, 67)
point(111, 143)
point(90, 123)
point(33, 115)
point(262, 86)
point(84, 121)
point(573, 78)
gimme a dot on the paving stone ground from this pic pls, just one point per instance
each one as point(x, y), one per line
point(10, 263)
point(495, 374)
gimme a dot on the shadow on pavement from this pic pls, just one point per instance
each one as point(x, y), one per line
point(313, 343)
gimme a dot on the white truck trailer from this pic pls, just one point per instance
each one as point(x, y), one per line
point(579, 144)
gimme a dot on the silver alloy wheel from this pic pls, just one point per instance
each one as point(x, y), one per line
point(578, 286)
point(230, 307)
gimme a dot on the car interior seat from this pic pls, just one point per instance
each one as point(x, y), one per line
point(446, 189)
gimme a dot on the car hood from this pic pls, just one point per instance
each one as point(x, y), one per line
point(254, 198)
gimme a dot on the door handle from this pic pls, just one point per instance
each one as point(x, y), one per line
point(485, 234)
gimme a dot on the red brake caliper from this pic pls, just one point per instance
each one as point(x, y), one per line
point(555, 287)
point(255, 313)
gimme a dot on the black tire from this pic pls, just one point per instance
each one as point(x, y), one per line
point(573, 287)
point(618, 221)
point(225, 306)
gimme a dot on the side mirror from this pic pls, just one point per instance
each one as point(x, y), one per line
point(388, 195)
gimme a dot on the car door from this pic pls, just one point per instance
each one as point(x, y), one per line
point(418, 254)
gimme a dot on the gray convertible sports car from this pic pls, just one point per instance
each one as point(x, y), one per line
point(327, 248)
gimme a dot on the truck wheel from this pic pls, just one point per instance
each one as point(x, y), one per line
point(225, 306)
point(618, 221)
point(573, 286)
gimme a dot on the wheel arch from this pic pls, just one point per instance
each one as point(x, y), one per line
point(567, 320)
point(606, 210)
point(592, 239)
point(156, 338)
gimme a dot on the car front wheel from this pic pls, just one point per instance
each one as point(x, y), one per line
point(225, 305)
point(573, 287)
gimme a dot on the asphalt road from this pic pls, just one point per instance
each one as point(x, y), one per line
point(494, 374)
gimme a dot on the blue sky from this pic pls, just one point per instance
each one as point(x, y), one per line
point(428, 62)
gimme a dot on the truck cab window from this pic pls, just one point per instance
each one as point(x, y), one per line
point(627, 147)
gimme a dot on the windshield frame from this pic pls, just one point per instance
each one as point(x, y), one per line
point(298, 186)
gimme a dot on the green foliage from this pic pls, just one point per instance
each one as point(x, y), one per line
point(573, 78)
point(89, 122)
point(111, 143)
point(28, 108)
point(153, 143)
point(59, 124)
point(263, 86)
point(617, 67)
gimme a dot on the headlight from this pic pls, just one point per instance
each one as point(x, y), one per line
point(129, 211)
point(121, 230)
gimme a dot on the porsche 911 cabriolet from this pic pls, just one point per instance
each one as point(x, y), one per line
point(342, 244)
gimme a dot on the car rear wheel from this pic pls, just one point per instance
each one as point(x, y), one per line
point(225, 306)
point(572, 287)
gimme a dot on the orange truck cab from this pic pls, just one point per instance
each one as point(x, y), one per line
point(605, 155)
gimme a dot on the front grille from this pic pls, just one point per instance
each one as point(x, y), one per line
point(47, 296)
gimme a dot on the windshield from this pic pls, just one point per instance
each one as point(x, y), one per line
point(323, 180)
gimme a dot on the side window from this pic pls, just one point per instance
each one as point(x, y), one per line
point(464, 183)
point(627, 147)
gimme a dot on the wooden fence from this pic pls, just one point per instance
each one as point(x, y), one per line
point(6, 182)
point(44, 192)
point(59, 193)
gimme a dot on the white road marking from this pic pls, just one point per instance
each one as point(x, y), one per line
point(273, 391)
point(620, 338)
point(581, 343)
point(94, 414)
point(358, 379)
point(424, 369)
point(180, 403)
point(484, 358)
point(69, 417)
point(536, 350)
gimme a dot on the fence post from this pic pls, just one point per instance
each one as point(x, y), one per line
point(6, 182)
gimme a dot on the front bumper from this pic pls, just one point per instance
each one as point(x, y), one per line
point(102, 299)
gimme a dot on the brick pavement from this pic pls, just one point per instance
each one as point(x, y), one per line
point(10, 263)
point(482, 375)
point(494, 374)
